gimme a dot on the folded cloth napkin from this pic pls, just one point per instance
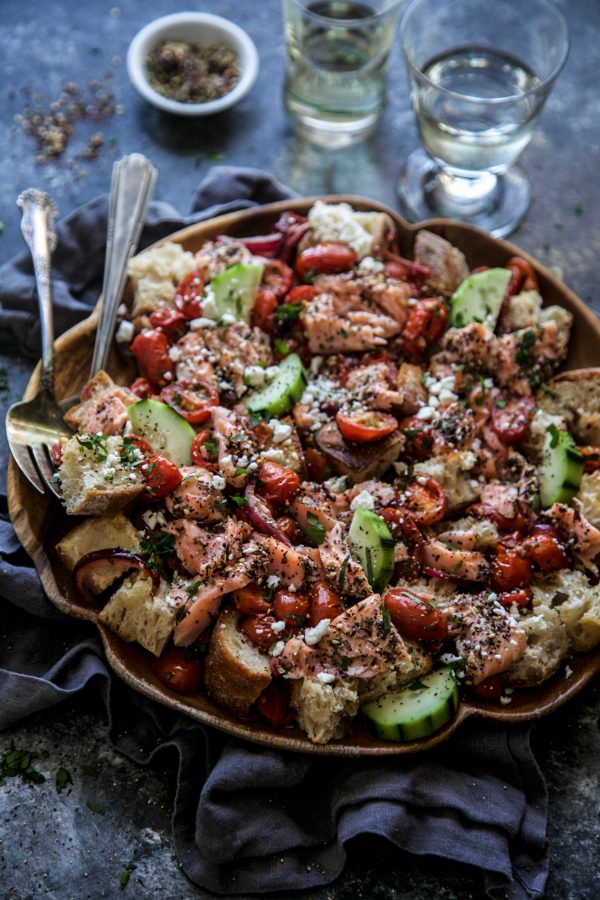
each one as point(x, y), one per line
point(248, 819)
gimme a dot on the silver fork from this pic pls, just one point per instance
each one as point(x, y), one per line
point(34, 426)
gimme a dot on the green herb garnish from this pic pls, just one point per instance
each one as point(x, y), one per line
point(281, 346)
point(387, 620)
point(238, 499)
point(155, 547)
point(342, 575)
point(523, 354)
point(96, 443)
point(288, 312)
point(314, 531)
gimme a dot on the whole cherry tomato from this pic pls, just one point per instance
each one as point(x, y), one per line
point(365, 426)
point(415, 618)
point(168, 320)
point(545, 551)
point(510, 570)
point(143, 388)
point(188, 296)
point(419, 438)
point(263, 311)
point(325, 603)
point(250, 601)
point(179, 670)
point(303, 293)
point(192, 401)
point(151, 351)
point(425, 323)
point(317, 466)
point(277, 484)
point(523, 278)
point(278, 277)
point(204, 451)
point(259, 630)
point(274, 705)
point(324, 259)
point(287, 605)
point(425, 499)
point(160, 474)
point(511, 418)
point(490, 688)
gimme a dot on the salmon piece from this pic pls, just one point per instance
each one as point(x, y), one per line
point(192, 364)
point(504, 498)
point(447, 264)
point(294, 566)
point(343, 572)
point(204, 607)
point(383, 494)
point(582, 537)
point(467, 564)
point(486, 635)
point(236, 443)
point(360, 643)
point(474, 345)
point(372, 386)
point(216, 256)
point(313, 499)
point(459, 538)
point(102, 408)
point(392, 297)
point(204, 552)
point(521, 350)
point(340, 325)
point(196, 497)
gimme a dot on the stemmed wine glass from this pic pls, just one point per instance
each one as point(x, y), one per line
point(480, 72)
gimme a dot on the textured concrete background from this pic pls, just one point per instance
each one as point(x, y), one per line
point(54, 845)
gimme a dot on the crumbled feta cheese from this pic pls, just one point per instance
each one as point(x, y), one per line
point(312, 636)
point(505, 700)
point(364, 500)
point(425, 413)
point(292, 588)
point(274, 455)
point(228, 318)
point(368, 264)
point(277, 650)
point(339, 222)
point(449, 659)
point(122, 310)
point(242, 461)
point(209, 304)
point(315, 364)
point(568, 671)
point(335, 485)
point(226, 460)
point(280, 430)
point(201, 322)
point(152, 518)
point(218, 482)
point(174, 353)
point(325, 677)
point(272, 581)
point(254, 376)
point(278, 626)
point(124, 332)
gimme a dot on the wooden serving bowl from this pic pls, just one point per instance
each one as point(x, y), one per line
point(40, 522)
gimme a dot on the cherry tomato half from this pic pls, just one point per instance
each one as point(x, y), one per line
point(290, 528)
point(419, 438)
point(545, 551)
point(303, 293)
point(288, 605)
point(490, 688)
point(192, 401)
point(143, 388)
point(511, 418)
point(277, 484)
point(259, 630)
point(168, 320)
point(250, 601)
point(278, 277)
point(365, 426)
point(425, 499)
point(160, 474)
point(204, 451)
point(274, 705)
point(188, 296)
point(324, 259)
point(591, 458)
point(425, 323)
point(325, 603)
point(521, 598)
point(263, 311)
point(415, 618)
point(404, 529)
point(151, 351)
point(510, 570)
point(317, 466)
point(523, 278)
point(179, 670)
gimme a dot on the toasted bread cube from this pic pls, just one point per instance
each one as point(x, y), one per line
point(446, 263)
point(235, 672)
point(324, 711)
point(105, 532)
point(403, 672)
point(102, 408)
point(94, 480)
point(139, 612)
point(452, 472)
point(546, 646)
point(155, 273)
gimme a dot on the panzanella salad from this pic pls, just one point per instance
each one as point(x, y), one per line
point(344, 483)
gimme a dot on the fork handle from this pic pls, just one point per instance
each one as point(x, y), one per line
point(37, 226)
point(132, 183)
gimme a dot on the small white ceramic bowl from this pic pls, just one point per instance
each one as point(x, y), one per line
point(197, 28)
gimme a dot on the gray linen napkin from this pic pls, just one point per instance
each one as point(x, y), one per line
point(247, 819)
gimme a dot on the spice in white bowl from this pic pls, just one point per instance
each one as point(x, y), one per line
point(190, 73)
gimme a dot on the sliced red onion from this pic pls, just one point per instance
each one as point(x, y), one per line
point(464, 583)
point(287, 219)
point(292, 238)
point(125, 559)
point(413, 269)
point(259, 515)
point(263, 244)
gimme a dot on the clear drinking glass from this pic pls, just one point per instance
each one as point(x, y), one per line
point(336, 69)
point(480, 72)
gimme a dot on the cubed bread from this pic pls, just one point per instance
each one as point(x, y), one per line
point(575, 396)
point(485, 532)
point(521, 311)
point(94, 479)
point(578, 604)
point(338, 222)
point(447, 264)
point(533, 442)
point(404, 672)
point(546, 646)
point(138, 611)
point(235, 672)
point(154, 275)
point(324, 711)
point(98, 534)
point(102, 407)
point(589, 497)
point(452, 472)
point(284, 447)
point(563, 319)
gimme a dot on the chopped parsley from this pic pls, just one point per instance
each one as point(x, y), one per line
point(288, 312)
point(524, 348)
point(387, 620)
point(281, 346)
point(314, 531)
point(344, 662)
point(155, 547)
point(131, 455)
point(211, 448)
point(238, 499)
point(96, 443)
point(342, 575)
point(62, 779)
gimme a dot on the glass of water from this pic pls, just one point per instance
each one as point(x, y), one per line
point(480, 72)
point(336, 69)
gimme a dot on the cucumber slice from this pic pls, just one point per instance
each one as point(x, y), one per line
point(234, 290)
point(372, 545)
point(167, 432)
point(416, 711)
point(479, 298)
point(561, 468)
point(283, 390)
